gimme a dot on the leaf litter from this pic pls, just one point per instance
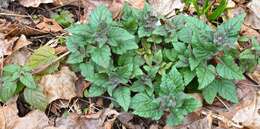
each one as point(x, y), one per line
point(61, 84)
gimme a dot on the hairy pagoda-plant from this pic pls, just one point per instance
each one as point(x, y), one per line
point(148, 65)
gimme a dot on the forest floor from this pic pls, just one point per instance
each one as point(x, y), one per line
point(33, 33)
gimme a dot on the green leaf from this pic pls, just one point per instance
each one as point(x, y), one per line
point(184, 35)
point(172, 82)
point(210, 92)
point(227, 90)
point(101, 56)
point(94, 91)
point(201, 32)
point(157, 58)
point(190, 104)
point(176, 117)
point(218, 11)
point(247, 54)
point(204, 50)
point(100, 15)
point(138, 86)
point(11, 68)
point(227, 33)
point(64, 18)
point(120, 34)
point(87, 70)
point(205, 75)
point(122, 96)
point(188, 75)
point(75, 57)
point(125, 71)
point(194, 62)
point(27, 80)
point(170, 54)
point(36, 98)
point(7, 90)
point(41, 56)
point(146, 106)
point(228, 69)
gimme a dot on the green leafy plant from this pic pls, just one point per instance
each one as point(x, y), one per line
point(16, 78)
point(63, 17)
point(207, 8)
point(149, 64)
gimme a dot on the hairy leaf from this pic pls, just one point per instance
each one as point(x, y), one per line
point(122, 96)
point(228, 69)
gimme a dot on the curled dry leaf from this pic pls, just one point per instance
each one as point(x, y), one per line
point(253, 18)
point(33, 3)
point(18, 28)
point(248, 31)
point(256, 75)
point(249, 116)
point(21, 42)
point(10, 120)
point(19, 57)
point(60, 85)
point(75, 121)
point(6, 45)
point(139, 4)
point(49, 25)
point(165, 7)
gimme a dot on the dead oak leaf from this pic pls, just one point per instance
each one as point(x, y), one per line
point(6, 45)
point(49, 25)
point(253, 18)
point(248, 31)
point(100, 121)
point(18, 28)
point(60, 85)
point(21, 42)
point(166, 7)
point(249, 116)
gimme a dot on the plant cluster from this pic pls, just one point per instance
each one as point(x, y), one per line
point(150, 65)
point(63, 17)
point(18, 79)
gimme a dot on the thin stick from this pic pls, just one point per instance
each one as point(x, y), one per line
point(223, 103)
point(15, 15)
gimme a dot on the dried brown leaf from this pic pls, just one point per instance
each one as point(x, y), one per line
point(256, 75)
point(248, 31)
point(49, 25)
point(253, 18)
point(21, 42)
point(165, 7)
point(75, 121)
point(6, 45)
point(249, 116)
point(19, 57)
point(60, 85)
point(18, 28)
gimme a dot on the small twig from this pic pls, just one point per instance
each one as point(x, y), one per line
point(15, 15)
point(43, 67)
point(223, 119)
point(223, 103)
point(249, 84)
point(63, 5)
